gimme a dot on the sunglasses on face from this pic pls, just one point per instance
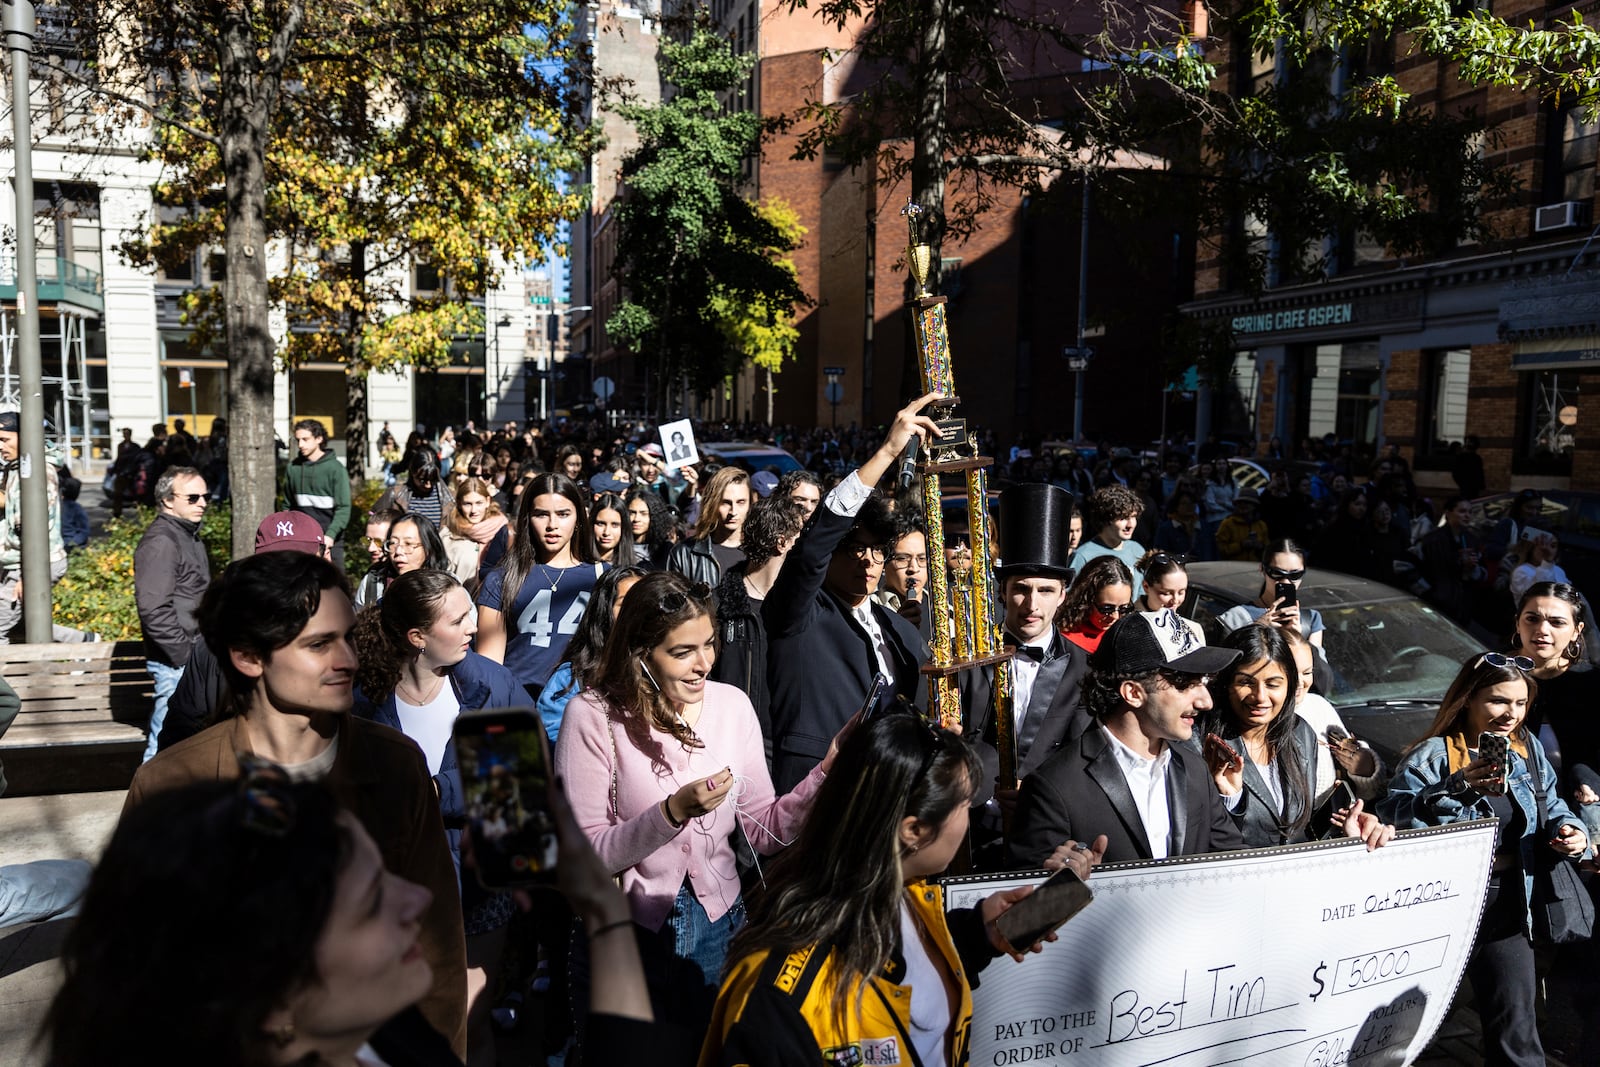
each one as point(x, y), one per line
point(1282, 575)
point(192, 498)
point(1115, 611)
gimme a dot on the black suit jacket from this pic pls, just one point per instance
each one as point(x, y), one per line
point(1057, 693)
point(820, 662)
point(1080, 793)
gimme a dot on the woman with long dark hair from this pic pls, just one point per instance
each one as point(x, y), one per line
point(854, 914)
point(613, 534)
point(1444, 778)
point(651, 753)
point(1270, 759)
point(653, 528)
point(1552, 623)
point(529, 607)
point(413, 543)
point(1100, 595)
point(569, 461)
point(423, 490)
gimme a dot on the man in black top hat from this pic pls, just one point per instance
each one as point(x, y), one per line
point(1047, 673)
point(1129, 776)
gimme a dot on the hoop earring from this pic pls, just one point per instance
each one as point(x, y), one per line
point(647, 674)
point(1516, 640)
point(1575, 649)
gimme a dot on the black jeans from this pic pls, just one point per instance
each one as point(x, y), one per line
point(1503, 980)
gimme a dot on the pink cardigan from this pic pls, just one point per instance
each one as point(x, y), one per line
point(651, 857)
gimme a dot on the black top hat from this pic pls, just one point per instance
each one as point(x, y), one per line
point(1035, 526)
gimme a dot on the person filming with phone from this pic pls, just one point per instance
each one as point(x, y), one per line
point(664, 767)
point(851, 947)
point(1283, 569)
point(1479, 761)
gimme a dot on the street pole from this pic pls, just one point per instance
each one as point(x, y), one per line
point(19, 29)
point(1083, 312)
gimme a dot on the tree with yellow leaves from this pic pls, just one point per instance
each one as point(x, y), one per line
point(360, 136)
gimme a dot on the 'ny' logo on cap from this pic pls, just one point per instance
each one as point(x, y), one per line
point(285, 528)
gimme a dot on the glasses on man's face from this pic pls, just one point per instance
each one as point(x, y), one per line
point(405, 546)
point(866, 553)
point(192, 498)
point(906, 559)
point(1281, 575)
point(1496, 659)
point(1114, 611)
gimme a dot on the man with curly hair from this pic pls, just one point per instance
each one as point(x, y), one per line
point(1113, 513)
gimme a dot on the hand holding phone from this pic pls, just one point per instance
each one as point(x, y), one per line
point(1227, 766)
point(1495, 749)
point(504, 758)
point(1036, 916)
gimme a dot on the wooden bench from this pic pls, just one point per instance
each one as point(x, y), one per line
point(78, 694)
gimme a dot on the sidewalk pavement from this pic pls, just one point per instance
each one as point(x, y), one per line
point(68, 826)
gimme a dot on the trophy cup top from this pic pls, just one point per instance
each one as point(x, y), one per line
point(919, 256)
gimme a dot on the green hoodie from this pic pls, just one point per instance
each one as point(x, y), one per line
point(321, 489)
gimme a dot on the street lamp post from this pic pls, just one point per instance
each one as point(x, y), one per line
point(19, 25)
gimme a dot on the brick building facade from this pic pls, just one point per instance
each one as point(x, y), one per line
point(1498, 340)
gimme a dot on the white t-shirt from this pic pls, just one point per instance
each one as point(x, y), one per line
point(930, 1006)
point(430, 724)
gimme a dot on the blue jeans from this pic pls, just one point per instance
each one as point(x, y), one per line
point(1590, 814)
point(166, 678)
point(42, 889)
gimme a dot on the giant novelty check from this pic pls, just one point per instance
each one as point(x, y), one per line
point(1317, 955)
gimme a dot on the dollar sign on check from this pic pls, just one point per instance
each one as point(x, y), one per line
point(1316, 976)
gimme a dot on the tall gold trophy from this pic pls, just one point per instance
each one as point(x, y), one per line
point(966, 633)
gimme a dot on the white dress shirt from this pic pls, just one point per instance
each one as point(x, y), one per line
point(1024, 672)
point(1147, 781)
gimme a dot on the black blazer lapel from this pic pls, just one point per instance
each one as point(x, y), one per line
point(1178, 802)
point(1063, 718)
point(1107, 775)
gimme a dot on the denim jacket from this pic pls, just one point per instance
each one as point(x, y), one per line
point(1419, 796)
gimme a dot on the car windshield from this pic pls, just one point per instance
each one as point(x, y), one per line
point(1392, 650)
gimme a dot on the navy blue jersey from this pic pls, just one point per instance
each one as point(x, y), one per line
point(541, 622)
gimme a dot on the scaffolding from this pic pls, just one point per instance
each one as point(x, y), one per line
point(68, 392)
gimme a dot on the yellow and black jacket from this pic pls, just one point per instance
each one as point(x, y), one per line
point(777, 1011)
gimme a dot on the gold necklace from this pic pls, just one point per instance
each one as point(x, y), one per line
point(561, 572)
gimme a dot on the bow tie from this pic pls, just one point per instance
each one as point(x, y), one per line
point(1031, 652)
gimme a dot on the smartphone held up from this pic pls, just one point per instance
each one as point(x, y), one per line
point(505, 776)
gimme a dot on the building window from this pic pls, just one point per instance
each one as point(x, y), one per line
point(1573, 156)
point(1445, 380)
point(1340, 394)
point(1551, 432)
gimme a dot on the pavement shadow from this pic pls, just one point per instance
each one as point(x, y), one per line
point(24, 946)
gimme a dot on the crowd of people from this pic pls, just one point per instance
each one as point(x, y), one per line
point(750, 850)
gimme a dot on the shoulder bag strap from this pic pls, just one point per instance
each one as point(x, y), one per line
point(611, 733)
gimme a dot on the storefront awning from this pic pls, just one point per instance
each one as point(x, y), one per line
point(1557, 353)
